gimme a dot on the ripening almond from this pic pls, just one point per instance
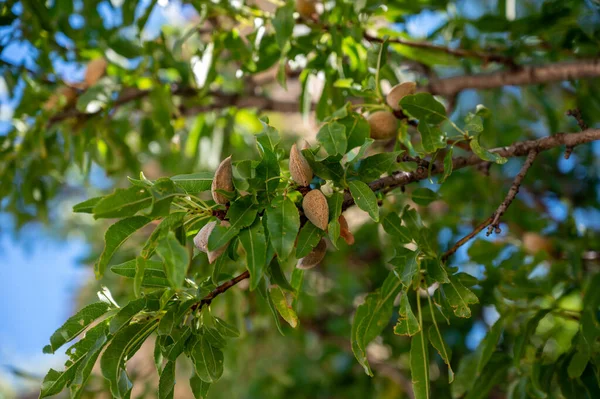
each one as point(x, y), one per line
point(384, 125)
point(300, 170)
point(201, 240)
point(306, 8)
point(345, 232)
point(223, 180)
point(315, 208)
point(398, 92)
point(95, 70)
point(314, 257)
point(62, 97)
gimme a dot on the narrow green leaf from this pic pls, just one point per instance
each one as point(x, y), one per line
point(123, 346)
point(199, 388)
point(166, 383)
point(115, 236)
point(448, 165)
point(419, 366)
point(175, 258)
point(459, 297)
point(407, 322)
point(89, 360)
point(466, 375)
point(283, 223)
point(169, 223)
point(488, 345)
point(577, 364)
point(154, 272)
point(406, 263)
point(424, 107)
point(333, 137)
point(87, 206)
point(255, 244)
point(75, 325)
point(365, 198)
point(424, 196)
point(276, 275)
point(437, 341)
point(140, 270)
point(283, 307)
point(523, 338)
point(393, 226)
point(432, 137)
point(264, 292)
point(333, 231)
point(309, 237)
point(126, 313)
point(284, 24)
point(226, 329)
point(485, 154)
point(122, 203)
point(374, 166)
point(208, 360)
point(195, 182)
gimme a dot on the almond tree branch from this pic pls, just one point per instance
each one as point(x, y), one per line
point(466, 238)
point(512, 193)
point(220, 289)
point(526, 75)
point(518, 149)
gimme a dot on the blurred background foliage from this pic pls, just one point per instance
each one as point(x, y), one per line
point(185, 85)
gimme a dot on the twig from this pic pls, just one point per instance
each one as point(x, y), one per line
point(512, 193)
point(518, 149)
point(466, 238)
point(220, 289)
point(526, 75)
point(575, 113)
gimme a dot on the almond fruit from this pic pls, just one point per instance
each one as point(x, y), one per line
point(314, 257)
point(306, 8)
point(201, 241)
point(398, 92)
point(223, 180)
point(300, 170)
point(384, 125)
point(345, 232)
point(95, 70)
point(54, 101)
point(315, 208)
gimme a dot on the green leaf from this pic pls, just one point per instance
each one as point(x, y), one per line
point(242, 213)
point(264, 292)
point(115, 236)
point(523, 338)
point(333, 231)
point(459, 297)
point(89, 360)
point(283, 223)
point(284, 24)
point(195, 182)
point(577, 364)
point(407, 322)
point(432, 137)
point(255, 244)
point(437, 341)
point(374, 166)
point(122, 203)
point(357, 130)
point(365, 198)
point(485, 154)
point(276, 275)
point(474, 123)
point(176, 259)
point(393, 226)
point(170, 223)
point(267, 172)
point(154, 272)
point(283, 307)
point(179, 337)
point(466, 375)
point(333, 137)
point(424, 196)
point(199, 388)
point(87, 206)
point(407, 266)
point(488, 345)
point(309, 237)
point(140, 270)
point(226, 329)
point(448, 165)
point(424, 107)
point(419, 366)
point(126, 313)
point(166, 383)
point(372, 317)
point(75, 325)
point(268, 138)
point(208, 360)
point(123, 346)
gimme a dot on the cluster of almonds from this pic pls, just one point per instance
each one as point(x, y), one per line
point(314, 205)
point(94, 71)
point(384, 124)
